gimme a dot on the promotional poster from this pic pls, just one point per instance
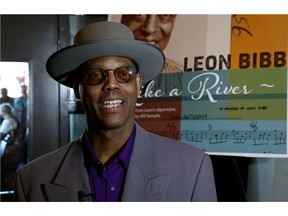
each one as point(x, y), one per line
point(223, 87)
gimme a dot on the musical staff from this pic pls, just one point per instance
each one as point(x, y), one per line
point(253, 136)
point(236, 137)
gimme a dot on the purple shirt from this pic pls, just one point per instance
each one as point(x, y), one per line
point(107, 181)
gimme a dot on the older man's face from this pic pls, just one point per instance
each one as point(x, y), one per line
point(155, 29)
point(109, 104)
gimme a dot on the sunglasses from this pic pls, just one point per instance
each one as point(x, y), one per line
point(96, 76)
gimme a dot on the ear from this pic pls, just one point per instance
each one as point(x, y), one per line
point(76, 90)
point(138, 83)
point(123, 19)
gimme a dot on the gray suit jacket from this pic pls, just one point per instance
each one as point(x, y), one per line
point(160, 169)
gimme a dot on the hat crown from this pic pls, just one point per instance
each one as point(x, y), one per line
point(105, 39)
point(103, 31)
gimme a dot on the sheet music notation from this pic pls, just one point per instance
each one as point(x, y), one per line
point(214, 137)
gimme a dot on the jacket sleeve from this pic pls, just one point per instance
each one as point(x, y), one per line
point(205, 189)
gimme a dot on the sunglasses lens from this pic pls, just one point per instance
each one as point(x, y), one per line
point(94, 77)
point(124, 75)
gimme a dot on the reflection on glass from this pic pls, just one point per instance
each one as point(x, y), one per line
point(14, 85)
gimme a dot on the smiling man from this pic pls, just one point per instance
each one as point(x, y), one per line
point(115, 159)
point(155, 29)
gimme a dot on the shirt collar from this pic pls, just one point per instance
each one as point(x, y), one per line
point(124, 153)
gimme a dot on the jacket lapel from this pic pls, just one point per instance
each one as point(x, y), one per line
point(145, 179)
point(71, 177)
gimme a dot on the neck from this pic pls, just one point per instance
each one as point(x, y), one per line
point(107, 142)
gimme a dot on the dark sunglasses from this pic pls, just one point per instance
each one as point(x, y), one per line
point(96, 76)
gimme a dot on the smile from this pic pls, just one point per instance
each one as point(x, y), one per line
point(112, 103)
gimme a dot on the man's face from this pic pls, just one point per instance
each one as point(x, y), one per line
point(155, 29)
point(110, 104)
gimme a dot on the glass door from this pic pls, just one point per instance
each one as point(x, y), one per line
point(14, 130)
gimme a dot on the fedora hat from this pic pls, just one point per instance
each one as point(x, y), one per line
point(105, 39)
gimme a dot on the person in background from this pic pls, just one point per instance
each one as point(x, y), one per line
point(8, 126)
point(157, 30)
point(5, 98)
point(21, 112)
point(115, 159)
point(10, 152)
point(9, 121)
point(21, 108)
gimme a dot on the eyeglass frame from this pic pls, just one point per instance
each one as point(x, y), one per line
point(104, 72)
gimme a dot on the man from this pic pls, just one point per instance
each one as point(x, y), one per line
point(155, 29)
point(115, 159)
point(5, 98)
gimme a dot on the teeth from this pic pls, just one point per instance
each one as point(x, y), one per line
point(112, 103)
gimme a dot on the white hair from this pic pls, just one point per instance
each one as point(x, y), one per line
point(6, 108)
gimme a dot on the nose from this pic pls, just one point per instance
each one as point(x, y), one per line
point(150, 25)
point(111, 83)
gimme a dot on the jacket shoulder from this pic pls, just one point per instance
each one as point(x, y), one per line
point(47, 161)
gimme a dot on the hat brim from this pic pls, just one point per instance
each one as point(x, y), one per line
point(148, 58)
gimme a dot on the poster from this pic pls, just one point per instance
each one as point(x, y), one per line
point(229, 96)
